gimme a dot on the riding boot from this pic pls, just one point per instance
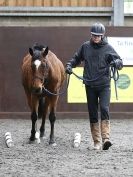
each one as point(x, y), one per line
point(96, 136)
point(105, 133)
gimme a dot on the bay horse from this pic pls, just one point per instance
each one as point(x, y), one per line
point(42, 69)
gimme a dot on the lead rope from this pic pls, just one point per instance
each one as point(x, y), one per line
point(90, 80)
point(45, 91)
point(114, 76)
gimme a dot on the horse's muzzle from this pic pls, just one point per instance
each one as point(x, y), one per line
point(37, 91)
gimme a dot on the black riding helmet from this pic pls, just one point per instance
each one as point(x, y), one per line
point(98, 29)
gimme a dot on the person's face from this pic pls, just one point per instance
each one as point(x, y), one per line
point(96, 38)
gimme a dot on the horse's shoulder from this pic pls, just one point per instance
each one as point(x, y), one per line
point(52, 56)
point(56, 66)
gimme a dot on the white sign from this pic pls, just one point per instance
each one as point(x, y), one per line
point(124, 47)
point(128, 6)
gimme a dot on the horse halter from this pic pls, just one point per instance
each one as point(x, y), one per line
point(45, 76)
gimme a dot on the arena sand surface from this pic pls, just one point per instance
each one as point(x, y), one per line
point(44, 160)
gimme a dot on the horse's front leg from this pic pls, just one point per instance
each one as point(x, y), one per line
point(45, 110)
point(52, 118)
point(33, 129)
point(34, 116)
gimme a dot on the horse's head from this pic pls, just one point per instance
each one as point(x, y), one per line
point(39, 67)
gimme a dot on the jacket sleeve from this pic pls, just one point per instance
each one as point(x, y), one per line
point(113, 57)
point(77, 58)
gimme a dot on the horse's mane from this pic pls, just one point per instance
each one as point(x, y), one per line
point(38, 46)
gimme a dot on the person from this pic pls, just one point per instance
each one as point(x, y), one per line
point(97, 56)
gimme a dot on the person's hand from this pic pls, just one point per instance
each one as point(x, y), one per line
point(114, 62)
point(69, 69)
point(118, 64)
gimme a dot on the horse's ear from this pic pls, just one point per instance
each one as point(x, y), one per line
point(45, 52)
point(31, 51)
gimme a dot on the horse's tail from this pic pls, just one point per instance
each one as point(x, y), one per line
point(41, 107)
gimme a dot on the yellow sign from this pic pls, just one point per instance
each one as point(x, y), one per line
point(76, 89)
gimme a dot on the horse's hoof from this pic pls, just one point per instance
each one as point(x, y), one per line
point(42, 134)
point(52, 143)
point(38, 141)
point(43, 138)
point(31, 142)
point(32, 138)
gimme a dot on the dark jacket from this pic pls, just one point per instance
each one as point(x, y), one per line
point(96, 62)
